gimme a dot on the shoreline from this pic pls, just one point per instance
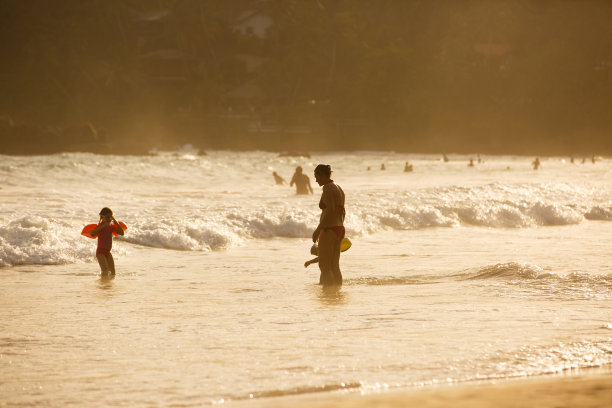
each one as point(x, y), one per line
point(585, 388)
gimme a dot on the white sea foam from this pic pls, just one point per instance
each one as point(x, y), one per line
point(36, 240)
point(223, 199)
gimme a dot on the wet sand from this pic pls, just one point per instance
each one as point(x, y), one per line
point(584, 391)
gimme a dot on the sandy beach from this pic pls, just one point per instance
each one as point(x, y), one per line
point(582, 390)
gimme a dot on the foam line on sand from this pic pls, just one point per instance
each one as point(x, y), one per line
point(584, 391)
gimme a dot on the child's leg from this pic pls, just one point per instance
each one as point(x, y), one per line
point(103, 263)
point(111, 263)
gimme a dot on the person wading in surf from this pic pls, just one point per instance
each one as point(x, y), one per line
point(301, 181)
point(330, 230)
point(104, 232)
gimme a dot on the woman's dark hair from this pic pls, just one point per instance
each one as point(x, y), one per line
point(324, 169)
point(106, 211)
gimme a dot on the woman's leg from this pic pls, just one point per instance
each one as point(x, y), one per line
point(326, 248)
point(335, 266)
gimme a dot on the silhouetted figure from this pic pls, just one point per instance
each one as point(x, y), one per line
point(301, 181)
point(369, 168)
point(314, 250)
point(479, 160)
point(536, 163)
point(572, 159)
point(593, 159)
point(382, 167)
point(278, 179)
point(408, 167)
point(471, 163)
point(445, 158)
point(583, 160)
point(330, 231)
point(107, 226)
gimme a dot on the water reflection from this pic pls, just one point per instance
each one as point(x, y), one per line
point(332, 295)
point(106, 283)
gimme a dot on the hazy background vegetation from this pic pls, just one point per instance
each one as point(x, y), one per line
point(490, 76)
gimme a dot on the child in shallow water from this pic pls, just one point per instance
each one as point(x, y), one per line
point(104, 231)
point(314, 250)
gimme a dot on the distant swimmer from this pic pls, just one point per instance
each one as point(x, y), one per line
point(444, 158)
point(301, 181)
point(536, 163)
point(471, 163)
point(408, 167)
point(107, 227)
point(382, 167)
point(593, 160)
point(330, 231)
point(369, 168)
point(479, 159)
point(572, 159)
point(278, 179)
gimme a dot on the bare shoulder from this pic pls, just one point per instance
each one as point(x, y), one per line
point(332, 189)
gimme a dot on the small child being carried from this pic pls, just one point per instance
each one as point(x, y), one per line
point(314, 250)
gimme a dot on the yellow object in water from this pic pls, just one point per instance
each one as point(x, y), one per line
point(344, 246)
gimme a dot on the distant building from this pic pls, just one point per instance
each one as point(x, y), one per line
point(252, 22)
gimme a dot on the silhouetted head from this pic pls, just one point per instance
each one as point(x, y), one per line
point(322, 173)
point(106, 213)
point(298, 169)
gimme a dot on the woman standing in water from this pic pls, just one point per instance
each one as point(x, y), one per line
point(330, 231)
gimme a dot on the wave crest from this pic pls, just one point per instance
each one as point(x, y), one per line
point(36, 240)
point(575, 283)
point(510, 270)
point(598, 213)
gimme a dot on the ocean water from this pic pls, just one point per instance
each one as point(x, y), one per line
point(456, 274)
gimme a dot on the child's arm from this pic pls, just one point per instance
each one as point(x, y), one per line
point(119, 229)
point(100, 227)
point(314, 260)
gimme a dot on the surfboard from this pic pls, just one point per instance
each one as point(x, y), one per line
point(90, 227)
point(344, 246)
